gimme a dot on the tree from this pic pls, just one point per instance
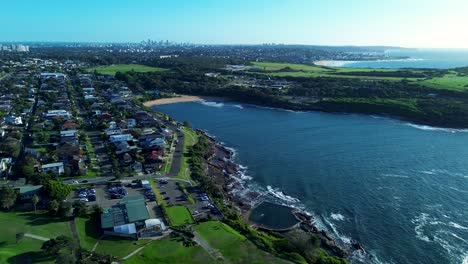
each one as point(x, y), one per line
point(8, 197)
point(35, 201)
point(53, 246)
point(53, 207)
point(186, 124)
point(19, 237)
point(79, 209)
point(28, 171)
point(64, 209)
point(65, 258)
point(57, 189)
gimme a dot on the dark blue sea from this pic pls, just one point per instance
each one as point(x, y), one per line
point(419, 58)
point(399, 189)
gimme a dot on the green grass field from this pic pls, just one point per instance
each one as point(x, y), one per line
point(179, 215)
point(170, 250)
point(232, 245)
point(28, 249)
point(88, 231)
point(302, 70)
point(112, 69)
point(190, 139)
point(119, 247)
point(449, 81)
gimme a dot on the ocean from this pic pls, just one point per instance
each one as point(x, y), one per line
point(418, 58)
point(398, 188)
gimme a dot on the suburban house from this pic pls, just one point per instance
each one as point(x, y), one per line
point(5, 166)
point(137, 167)
point(151, 141)
point(57, 113)
point(121, 137)
point(14, 120)
point(54, 167)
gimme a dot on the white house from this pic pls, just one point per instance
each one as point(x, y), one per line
point(121, 137)
point(14, 120)
point(54, 167)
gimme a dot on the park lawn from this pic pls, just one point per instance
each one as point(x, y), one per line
point(179, 215)
point(39, 224)
point(113, 69)
point(170, 250)
point(449, 81)
point(28, 250)
point(119, 247)
point(190, 139)
point(302, 70)
point(88, 231)
point(232, 245)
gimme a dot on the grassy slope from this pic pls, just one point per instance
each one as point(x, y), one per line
point(112, 69)
point(232, 245)
point(179, 215)
point(169, 250)
point(449, 81)
point(87, 231)
point(119, 247)
point(12, 223)
point(190, 139)
point(302, 70)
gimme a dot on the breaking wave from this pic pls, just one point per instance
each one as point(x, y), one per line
point(431, 128)
point(281, 195)
point(212, 104)
point(337, 217)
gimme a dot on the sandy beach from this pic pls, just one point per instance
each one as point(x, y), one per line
point(179, 99)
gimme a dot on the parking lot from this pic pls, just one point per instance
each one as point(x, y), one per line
point(107, 196)
point(171, 193)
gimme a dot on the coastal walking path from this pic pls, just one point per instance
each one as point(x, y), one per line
point(213, 252)
point(165, 234)
point(36, 237)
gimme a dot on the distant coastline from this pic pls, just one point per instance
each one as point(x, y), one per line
point(343, 63)
point(180, 99)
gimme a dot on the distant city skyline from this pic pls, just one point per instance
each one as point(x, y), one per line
point(416, 23)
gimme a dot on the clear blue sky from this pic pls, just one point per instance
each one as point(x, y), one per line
point(409, 23)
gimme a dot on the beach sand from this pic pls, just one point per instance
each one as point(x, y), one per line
point(179, 99)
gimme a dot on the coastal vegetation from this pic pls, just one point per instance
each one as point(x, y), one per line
point(237, 227)
point(428, 96)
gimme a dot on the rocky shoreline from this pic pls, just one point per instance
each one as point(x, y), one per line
point(227, 174)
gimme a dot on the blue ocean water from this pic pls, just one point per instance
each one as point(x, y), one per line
point(419, 58)
point(399, 189)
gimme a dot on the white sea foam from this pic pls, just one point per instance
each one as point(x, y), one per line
point(337, 217)
point(212, 104)
point(390, 175)
point(465, 259)
point(458, 226)
point(238, 106)
point(281, 195)
point(431, 172)
point(420, 222)
point(336, 234)
point(458, 190)
point(244, 177)
point(431, 128)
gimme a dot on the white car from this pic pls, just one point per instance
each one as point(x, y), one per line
point(75, 182)
point(84, 200)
